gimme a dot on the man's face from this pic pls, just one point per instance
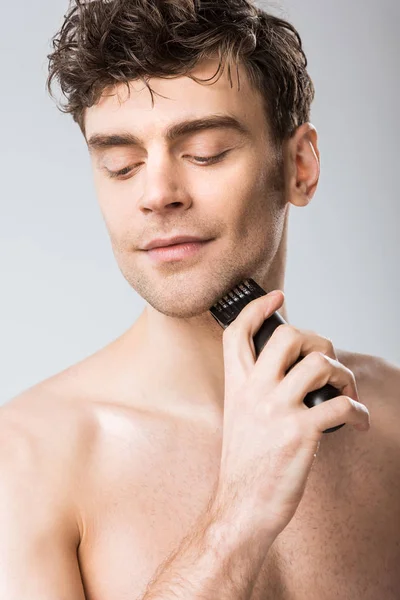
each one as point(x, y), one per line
point(167, 188)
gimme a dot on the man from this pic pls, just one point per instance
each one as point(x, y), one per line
point(170, 464)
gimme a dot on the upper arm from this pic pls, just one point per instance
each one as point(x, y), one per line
point(38, 539)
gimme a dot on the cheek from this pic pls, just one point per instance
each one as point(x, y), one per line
point(248, 188)
point(254, 208)
point(231, 185)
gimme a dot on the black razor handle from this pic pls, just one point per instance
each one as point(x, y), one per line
point(327, 392)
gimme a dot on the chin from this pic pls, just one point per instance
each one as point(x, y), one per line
point(184, 314)
point(187, 293)
point(181, 308)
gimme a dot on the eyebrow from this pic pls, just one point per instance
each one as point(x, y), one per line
point(99, 141)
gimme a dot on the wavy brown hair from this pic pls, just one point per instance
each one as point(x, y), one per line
point(103, 43)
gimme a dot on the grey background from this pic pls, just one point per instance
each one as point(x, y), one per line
point(62, 295)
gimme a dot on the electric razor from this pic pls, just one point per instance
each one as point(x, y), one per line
point(228, 308)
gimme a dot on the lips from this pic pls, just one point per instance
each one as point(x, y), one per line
point(162, 243)
point(176, 253)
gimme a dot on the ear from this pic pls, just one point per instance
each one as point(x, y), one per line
point(302, 165)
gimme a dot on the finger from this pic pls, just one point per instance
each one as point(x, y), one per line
point(238, 345)
point(336, 411)
point(284, 347)
point(324, 344)
point(313, 372)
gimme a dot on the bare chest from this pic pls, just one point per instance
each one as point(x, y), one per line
point(340, 544)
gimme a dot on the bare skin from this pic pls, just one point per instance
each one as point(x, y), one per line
point(108, 465)
point(109, 489)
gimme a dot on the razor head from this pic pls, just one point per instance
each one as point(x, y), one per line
point(228, 307)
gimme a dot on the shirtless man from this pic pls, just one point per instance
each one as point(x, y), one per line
point(171, 464)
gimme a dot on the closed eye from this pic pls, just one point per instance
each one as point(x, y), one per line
point(210, 159)
point(204, 160)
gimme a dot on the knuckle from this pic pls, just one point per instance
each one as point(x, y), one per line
point(330, 348)
point(345, 404)
point(352, 379)
point(317, 360)
point(351, 375)
point(286, 333)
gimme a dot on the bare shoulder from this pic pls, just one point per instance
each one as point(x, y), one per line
point(387, 378)
point(363, 468)
point(67, 436)
point(377, 451)
point(378, 380)
point(43, 440)
point(383, 397)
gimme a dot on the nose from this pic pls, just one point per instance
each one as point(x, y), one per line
point(164, 186)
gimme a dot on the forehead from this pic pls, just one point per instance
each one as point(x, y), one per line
point(176, 99)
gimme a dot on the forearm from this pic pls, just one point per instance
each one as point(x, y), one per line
point(219, 559)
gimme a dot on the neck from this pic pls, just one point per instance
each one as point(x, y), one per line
point(184, 357)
